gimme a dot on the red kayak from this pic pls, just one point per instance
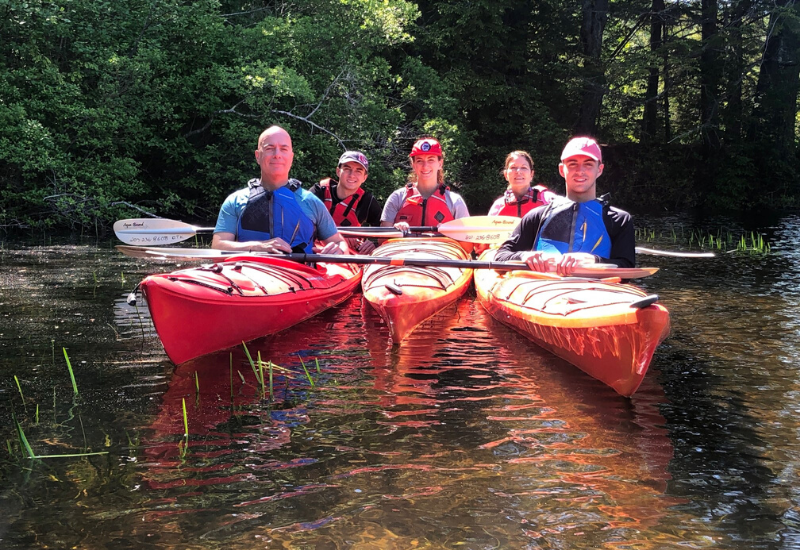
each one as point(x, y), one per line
point(607, 329)
point(205, 309)
point(406, 295)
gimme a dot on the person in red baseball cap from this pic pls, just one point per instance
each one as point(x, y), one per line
point(579, 229)
point(426, 200)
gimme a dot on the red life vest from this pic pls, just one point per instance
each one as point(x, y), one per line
point(533, 198)
point(417, 211)
point(344, 213)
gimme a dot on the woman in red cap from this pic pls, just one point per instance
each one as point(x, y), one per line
point(426, 200)
point(520, 197)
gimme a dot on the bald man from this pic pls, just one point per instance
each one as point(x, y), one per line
point(274, 213)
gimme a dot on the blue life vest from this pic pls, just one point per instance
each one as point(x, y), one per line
point(574, 227)
point(272, 214)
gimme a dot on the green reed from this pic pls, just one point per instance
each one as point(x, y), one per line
point(71, 374)
point(310, 380)
point(23, 441)
point(261, 375)
point(317, 362)
point(20, 389)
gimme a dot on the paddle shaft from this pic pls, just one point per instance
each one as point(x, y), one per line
point(596, 270)
point(477, 229)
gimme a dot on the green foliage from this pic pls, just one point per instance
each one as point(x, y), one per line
point(109, 107)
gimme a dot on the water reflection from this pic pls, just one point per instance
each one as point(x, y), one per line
point(467, 436)
point(487, 445)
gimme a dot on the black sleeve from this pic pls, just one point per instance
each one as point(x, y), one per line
point(369, 210)
point(619, 225)
point(318, 191)
point(522, 238)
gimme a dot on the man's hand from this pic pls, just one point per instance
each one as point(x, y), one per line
point(333, 247)
point(563, 264)
point(272, 246)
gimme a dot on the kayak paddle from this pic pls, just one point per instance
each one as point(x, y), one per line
point(590, 271)
point(475, 229)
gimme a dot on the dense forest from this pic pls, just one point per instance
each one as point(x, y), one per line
point(113, 108)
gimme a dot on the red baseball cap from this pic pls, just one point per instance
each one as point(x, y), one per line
point(582, 146)
point(426, 146)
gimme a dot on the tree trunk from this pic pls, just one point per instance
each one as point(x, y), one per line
point(595, 14)
point(667, 86)
point(735, 68)
point(779, 80)
point(709, 77)
point(650, 118)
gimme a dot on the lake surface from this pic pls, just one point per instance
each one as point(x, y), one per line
point(466, 436)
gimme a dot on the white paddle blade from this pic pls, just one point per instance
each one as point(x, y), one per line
point(480, 229)
point(153, 231)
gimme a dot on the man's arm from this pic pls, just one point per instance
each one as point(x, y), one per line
point(371, 213)
point(522, 238)
point(619, 225)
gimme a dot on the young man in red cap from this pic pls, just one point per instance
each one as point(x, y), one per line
point(578, 230)
point(348, 202)
point(426, 200)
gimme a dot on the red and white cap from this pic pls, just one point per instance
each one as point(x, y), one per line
point(426, 146)
point(354, 156)
point(585, 146)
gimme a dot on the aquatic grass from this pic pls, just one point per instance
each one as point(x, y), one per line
point(241, 376)
point(23, 441)
point(37, 414)
point(53, 351)
point(20, 390)
point(71, 374)
point(196, 385)
point(183, 444)
point(252, 363)
point(261, 375)
point(185, 419)
point(310, 380)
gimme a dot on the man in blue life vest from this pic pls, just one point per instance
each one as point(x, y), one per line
point(578, 230)
point(346, 199)
point(274, 213)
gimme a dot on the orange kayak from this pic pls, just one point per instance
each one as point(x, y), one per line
point(205, 309)
point(607, 329)
point(405, 296)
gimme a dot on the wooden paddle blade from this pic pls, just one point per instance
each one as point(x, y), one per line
point(154, 231)
point(480, 229)
point(621, 272)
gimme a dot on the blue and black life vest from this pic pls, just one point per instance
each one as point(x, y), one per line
point(569, 226)
point(272, 214)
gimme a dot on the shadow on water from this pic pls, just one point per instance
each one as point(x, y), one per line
point(468, 435)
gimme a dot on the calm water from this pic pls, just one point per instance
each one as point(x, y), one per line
point(467, 436)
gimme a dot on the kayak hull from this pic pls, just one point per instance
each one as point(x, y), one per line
point(202, 310)
point(590, 324)
point(405, 296)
